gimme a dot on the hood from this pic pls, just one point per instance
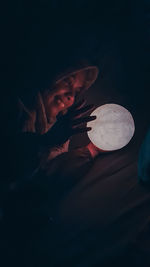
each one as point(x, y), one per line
point(37, 84)
point(31, 105)
point(88, 72)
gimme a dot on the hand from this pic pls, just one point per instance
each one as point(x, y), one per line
point(95, 151)
point(69, 124)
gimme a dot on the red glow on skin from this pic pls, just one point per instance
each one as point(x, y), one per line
point(95, 150)
point(63, 95)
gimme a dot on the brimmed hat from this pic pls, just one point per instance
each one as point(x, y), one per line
point(32, 86)
point(90, 74)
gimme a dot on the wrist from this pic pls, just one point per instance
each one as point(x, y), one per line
point(94, 151)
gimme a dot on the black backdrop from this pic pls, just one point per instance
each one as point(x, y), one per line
point(41, 38)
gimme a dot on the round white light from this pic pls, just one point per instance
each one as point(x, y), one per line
point(113, 128)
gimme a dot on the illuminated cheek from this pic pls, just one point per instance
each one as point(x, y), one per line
point(70, 101)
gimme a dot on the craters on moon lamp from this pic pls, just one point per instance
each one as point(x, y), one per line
point(113, 128)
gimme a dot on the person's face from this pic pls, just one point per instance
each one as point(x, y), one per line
point(58, 100)
point(62, 96)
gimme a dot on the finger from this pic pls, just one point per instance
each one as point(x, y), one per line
point(83, 111)
point(77, 122)
point(78, 105)
point(81, 130)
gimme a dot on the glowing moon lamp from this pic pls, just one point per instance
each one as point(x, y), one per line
point(113, 128)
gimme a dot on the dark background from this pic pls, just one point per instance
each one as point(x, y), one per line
point(41, 38)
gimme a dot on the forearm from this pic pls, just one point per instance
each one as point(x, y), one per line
point(93, 150)
point(22, 152)
point(30, 150)
point(69, 162)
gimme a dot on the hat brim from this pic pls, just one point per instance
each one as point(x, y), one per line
point(90, 74)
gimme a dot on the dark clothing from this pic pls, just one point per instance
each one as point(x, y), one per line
point(77, 212)
point(61, 208)
point(29, 231)
point(31, 188)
